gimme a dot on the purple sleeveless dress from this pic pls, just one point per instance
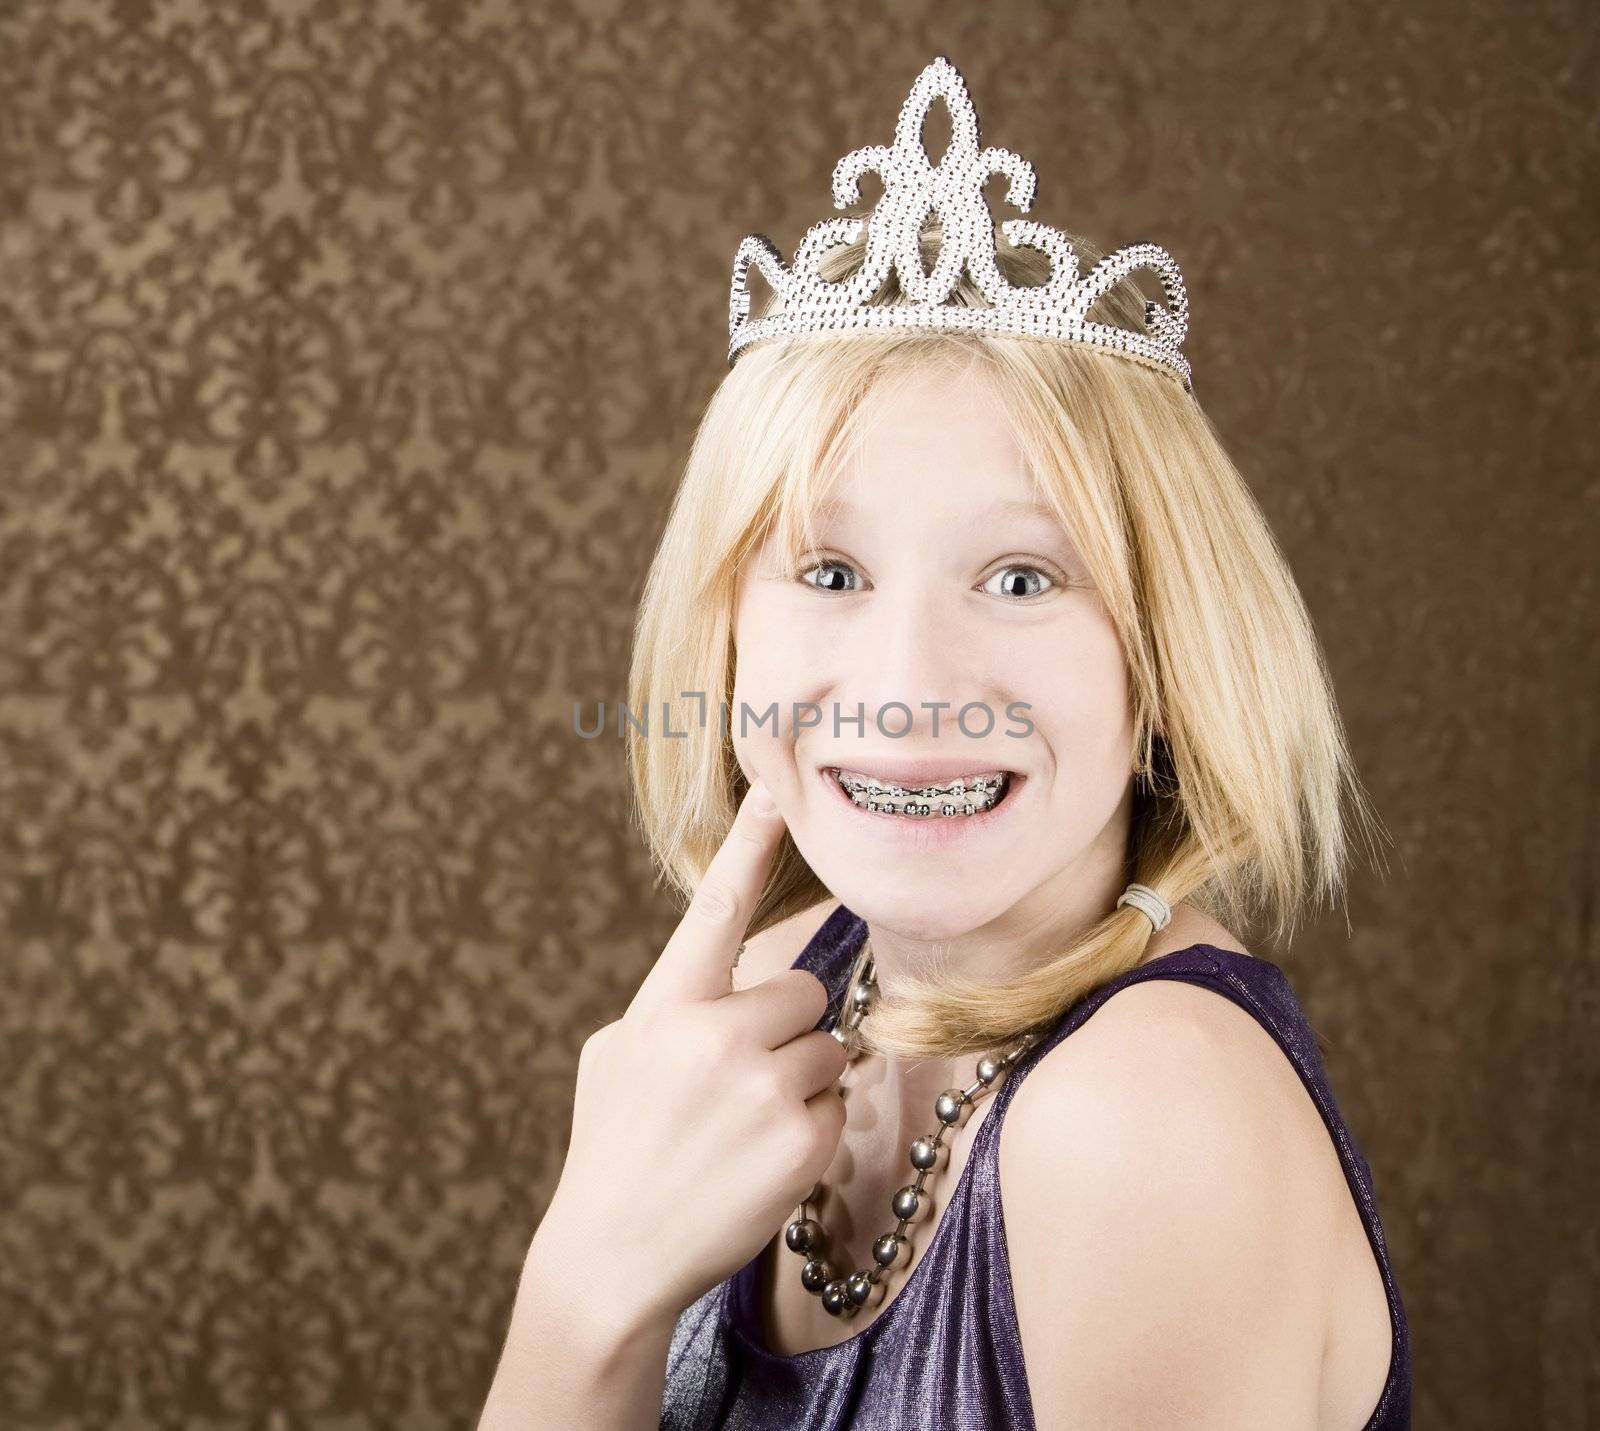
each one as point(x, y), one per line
point(946, 1352)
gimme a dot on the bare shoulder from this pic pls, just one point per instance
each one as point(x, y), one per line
point(1170, 1196)
point(776, 947)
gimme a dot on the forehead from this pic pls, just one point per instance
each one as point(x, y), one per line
point(932, 435)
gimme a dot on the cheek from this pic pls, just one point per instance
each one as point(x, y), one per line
point(1083, 704)
point(777, 653)
point(770, 668)
point(767, 670)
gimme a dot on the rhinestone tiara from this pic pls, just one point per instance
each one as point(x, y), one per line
point(913, 189)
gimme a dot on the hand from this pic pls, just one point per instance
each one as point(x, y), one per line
point(702, 1116)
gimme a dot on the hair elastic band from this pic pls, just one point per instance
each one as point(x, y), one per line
point(1142, 897)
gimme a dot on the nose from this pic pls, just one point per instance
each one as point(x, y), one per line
point(911, 651)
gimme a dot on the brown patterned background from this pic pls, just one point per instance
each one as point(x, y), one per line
point(348, 355)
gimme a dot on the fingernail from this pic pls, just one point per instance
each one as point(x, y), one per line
point(761, 800)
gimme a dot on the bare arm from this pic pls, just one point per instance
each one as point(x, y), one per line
point(1164, 1187)
point(696, 1081)
point(576, 1355)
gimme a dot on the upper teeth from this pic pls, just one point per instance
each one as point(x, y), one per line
point(964, 795)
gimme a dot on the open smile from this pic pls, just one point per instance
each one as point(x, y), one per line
point(930, 811)
point(960, 797)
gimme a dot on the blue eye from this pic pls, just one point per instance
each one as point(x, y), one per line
point(1032, 571)
point(1024, 580)
point(837, 566)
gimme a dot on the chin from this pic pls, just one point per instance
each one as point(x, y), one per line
point(929, 908)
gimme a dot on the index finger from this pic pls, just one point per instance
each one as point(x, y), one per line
point(695, 961)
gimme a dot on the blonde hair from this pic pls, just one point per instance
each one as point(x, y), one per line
point(1242, 770)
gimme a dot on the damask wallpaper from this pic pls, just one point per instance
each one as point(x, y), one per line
point(348, 356)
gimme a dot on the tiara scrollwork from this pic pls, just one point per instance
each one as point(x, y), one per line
point(914, 191)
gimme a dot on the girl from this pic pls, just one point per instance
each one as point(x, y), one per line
point(956, 1099)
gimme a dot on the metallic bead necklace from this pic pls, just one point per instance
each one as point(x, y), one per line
point(845, 1296)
